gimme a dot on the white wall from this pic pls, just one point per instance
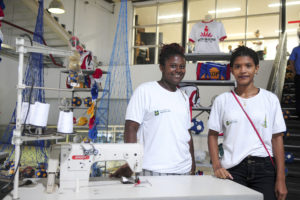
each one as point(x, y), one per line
point(8, 92)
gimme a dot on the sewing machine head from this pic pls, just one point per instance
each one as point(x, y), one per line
point(76, 161)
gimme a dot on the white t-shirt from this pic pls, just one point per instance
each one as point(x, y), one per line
point(164, 119)
point(206, 36)
point(258, 47)
point(240, 139)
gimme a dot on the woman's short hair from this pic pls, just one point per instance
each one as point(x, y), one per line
point(244, 51)
point(169, 50)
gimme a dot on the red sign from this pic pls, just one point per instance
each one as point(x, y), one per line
point(80, 157)
point(294, 22)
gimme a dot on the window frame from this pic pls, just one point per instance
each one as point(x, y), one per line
point(156, 3)
point(246, 39)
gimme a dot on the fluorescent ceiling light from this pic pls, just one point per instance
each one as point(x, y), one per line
point(226, 10)
point(287, 4)
point(56, 7)
point(170, 16)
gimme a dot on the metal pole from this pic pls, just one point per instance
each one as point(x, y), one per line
point(246, 24)
point(156, 57)
point(17, 132)
point(74, 16)
point(184, 20)
point(283, 15)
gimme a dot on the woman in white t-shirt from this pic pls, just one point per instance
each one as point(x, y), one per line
point(246, 159)
point(158, 116)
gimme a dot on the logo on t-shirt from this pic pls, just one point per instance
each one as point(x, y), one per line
point(206, 36)
point(157, 112)
point(265, 122)
point(206, 33)
point(230, 122)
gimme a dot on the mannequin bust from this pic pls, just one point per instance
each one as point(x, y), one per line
point(191, 46)
point(207, 18)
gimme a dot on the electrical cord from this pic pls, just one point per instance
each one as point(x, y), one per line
point(28, 36)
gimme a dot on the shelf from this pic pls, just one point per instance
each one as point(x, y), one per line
point(202, 108)
point(203, 164)
point(287, 108)
point(208, 82)
point(207, 56)
point(81, 89)
point(292, 146)
point(80, 127)
point(73, 107)
point(85, 90)
point(43, 137)
point(61, 89)
point(204, 135)
point(84, 71)
point(289, 83)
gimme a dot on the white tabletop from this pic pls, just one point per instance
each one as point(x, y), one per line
point(154, 187)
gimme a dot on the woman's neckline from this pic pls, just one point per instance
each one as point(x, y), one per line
point(250, 96)
point(161, 86)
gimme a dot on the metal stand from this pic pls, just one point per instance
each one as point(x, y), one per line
point(21, 48)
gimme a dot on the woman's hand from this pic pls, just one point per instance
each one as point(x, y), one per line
point(280, 190)
point(219, 171)
point(124, 170)
point(222, 173)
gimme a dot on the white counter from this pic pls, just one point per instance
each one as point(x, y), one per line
point(155, 187)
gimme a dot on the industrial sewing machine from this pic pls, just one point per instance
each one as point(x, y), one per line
point(76, 160)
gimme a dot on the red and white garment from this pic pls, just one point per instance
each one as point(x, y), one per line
point(193, 94)
point(96, 77)
point(86, 59)
point(206, 36)
point(2, 7)
point(75, 44)
point(1, 13)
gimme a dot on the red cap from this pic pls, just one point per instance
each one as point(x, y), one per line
point(98, 73)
